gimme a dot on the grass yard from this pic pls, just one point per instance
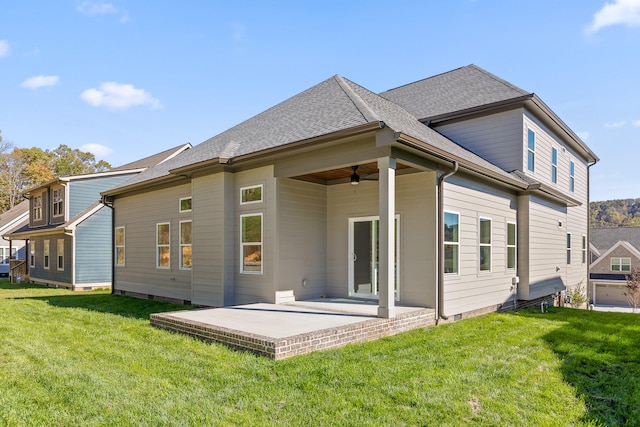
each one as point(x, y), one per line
point(91, 359)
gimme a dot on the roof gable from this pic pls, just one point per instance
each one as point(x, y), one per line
point(626, 246)
point(456, 90)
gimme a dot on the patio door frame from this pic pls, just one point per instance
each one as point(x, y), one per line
point(374, 255)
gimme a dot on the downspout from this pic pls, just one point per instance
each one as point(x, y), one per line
point(440, 285)
point(588, 260)
point(113, 239)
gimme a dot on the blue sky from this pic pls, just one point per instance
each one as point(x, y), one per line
point(125, 79)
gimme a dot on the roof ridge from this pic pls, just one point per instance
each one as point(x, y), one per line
point(498, 79)
point(359, 103)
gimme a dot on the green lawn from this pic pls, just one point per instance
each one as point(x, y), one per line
point(91, 359)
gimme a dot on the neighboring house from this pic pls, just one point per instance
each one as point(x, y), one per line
point(614, 252)
point(69, 230)
point(9, 220)
point(444, 193)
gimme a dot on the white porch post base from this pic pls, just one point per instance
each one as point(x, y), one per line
point(387, 199)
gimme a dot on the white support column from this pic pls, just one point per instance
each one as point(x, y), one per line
point(387, 239)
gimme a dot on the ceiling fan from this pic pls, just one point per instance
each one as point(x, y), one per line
point(355, 178)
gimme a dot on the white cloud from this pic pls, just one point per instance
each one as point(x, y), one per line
point(118, 96)
point(626, 12)
point(583, 135)
point(97, 149)
point(636, 123)
point(91, 8)
point(618, 124)
point(39, 81)
point(5, 49)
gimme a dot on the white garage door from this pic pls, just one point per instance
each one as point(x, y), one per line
point(611, 295)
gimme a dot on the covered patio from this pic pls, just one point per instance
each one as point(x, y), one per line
point(279, 331)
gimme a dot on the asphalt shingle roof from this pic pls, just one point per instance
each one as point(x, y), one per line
point(605, 238)
point(333, 105)
point(456, 90)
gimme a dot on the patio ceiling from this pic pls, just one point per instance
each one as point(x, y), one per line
point(367, 172)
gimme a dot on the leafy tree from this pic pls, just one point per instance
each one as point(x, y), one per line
point(24, 168)
point(632, 288)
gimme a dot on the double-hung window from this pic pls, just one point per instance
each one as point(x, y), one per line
point(451, 243)
point(620, 264)
point(32, 254)
point(186, 261)
point(485, 244)
point(584, 249)
point(163, 246)
point(58, 201)
point(572, 176)
point(568, 248)
point(120, 245)
point(511, 246)
point(554, 165)
point(251, 243)
point(37, 207)
point(60, 254)
point(531, 150)
point(46, 254)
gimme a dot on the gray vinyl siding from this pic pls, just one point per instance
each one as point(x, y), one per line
point(213, 240)
point(251, 288)
point(497, 138)
point(85, 192)
point(139, 214)
point(473, 289)
point(416, 205)
point(93, 249)
point(52, 275)
point(302, 243)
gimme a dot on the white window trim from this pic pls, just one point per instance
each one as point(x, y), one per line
point(46, 259)
point(58, 255)
point(182, 267)
point(572, 176)
point(32, 254)
point(569, 253)
point(489, 245)
point(158, 246)
point(529, 150)
point(249, 187)
point(554, 166)
point(242, 244)
point(60, 203)
point(180, 204)
point(123, 246)
point(37, 207)
point(457, 244)
point(514, 246)
point(620, 270)
point(584, 249)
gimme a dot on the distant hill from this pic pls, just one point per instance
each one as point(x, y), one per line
point(615, 213)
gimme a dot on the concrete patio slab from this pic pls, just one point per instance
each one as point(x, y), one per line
point(284, 330)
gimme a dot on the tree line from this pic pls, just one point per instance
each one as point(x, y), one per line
point(24, 168)
point(615, 213)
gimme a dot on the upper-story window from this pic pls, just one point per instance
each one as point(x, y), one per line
point(554, 165)
point(572, 176)
point(57, 200)
point(185, 204)
point(620, 264)
point(251, 194)
point(531, 150)
point(36, 205)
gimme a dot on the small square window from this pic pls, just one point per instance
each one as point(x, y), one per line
point(185, 204)
point(251, 194)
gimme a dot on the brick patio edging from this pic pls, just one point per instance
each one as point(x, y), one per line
point(282, 348)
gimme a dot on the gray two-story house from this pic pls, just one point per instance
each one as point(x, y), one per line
point(460, 192)
point(69, 232)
